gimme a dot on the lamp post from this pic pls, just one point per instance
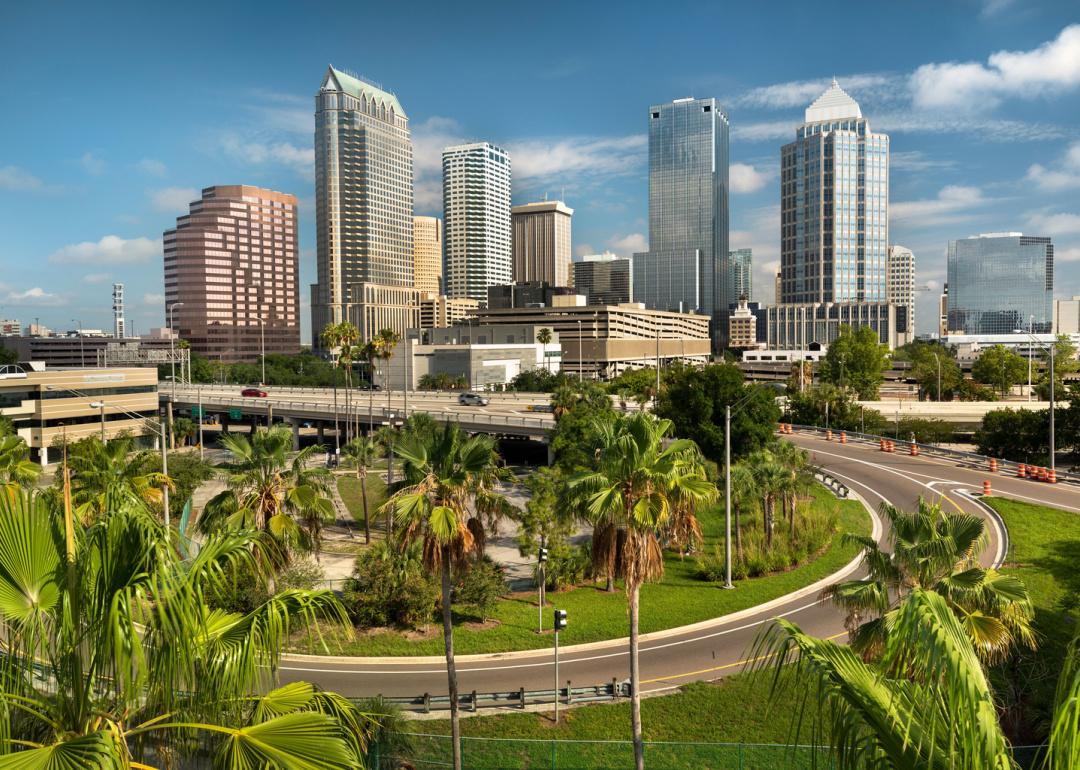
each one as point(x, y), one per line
point(1031, 323)
point(727, 485)
point(100, 405)
point(937, 359)
point(82, 351)
point(172, 347)
point(579, 377)
point(1051, 348)
point(262, 347)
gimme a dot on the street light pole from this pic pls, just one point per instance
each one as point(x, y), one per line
point(172, 347)
point(1053, 470)
point(727, 497)
point(100, 405)
point(937, 360)
point(1031, 323)
point(579, 377)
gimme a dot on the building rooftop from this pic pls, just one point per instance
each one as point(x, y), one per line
point(531, 208)
point(336, 80)
point(834, 104)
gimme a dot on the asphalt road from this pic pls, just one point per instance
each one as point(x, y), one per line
point(707, 650)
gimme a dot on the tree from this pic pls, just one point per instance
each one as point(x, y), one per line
point(814, 405)
point(856, 359)
point(628, 496)
point(638, 384)
point(544, 337)
point(113, 657)
point(926, 360)
point(104, 475)
point(1064, 363)
point(384, 345)
point(935, 551)
point(8, 356)
point(283, 499)
point(361, 452)
point(694, 400)
point(16, 470)
point(183, 430)
point(1021, 435)
point(999, 366)
point(925, 702)
point(442, 471)
point(577, 407)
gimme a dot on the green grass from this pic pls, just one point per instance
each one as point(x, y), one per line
point(685, 728)
point(1044, 552)
point(349, 489)
point(595, 615)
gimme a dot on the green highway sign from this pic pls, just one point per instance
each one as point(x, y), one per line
point(236, 414)
point(197, 412)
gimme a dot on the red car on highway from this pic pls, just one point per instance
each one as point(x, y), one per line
point(253, 393)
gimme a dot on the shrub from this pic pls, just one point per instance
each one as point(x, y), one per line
point(389, 586)
point(480, 587)
point(567, 566)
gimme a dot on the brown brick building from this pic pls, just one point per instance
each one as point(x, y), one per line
point(232, 263)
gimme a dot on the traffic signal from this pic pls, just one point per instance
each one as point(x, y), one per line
point(560, 620)
point(542, 555)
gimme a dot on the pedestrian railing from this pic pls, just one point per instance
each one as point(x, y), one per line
point(520, 698)
point(968, 459)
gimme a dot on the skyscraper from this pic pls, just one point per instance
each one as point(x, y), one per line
point(900, 286)
point(541, 242)
point(1000, 282)
point(119, 324)
point(604, 279)
point(741, 270)
point(231, 274)
point(688, 211)
point(428, 247)
point(834, 206)
point(363, 208)
point(476, 207)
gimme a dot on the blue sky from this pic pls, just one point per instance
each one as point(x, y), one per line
point(115, 114)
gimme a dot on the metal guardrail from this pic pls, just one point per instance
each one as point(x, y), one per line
point(520, 698)
point(969, 459)
point(513, 395)
point(835, 485)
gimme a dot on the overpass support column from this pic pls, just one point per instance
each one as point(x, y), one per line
point(169, 423)
point(43, 456)
point(295, 424)
point(322, 433)
point(551, 455)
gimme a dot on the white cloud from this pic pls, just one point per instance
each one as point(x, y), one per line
point(627, 245)
point(762, 235)
point(286, 112)
point(173, 199)
point(110, 250)
point(1065, 177)
point(92, 164)
point(765, 131)
point(429, 139)
point(583, 249)
point(915, 160)
point(152, 167)
point(95, 277)
point(994, 7)
point(747, 179)
point(799, 93)
point(34, 296)
point(948, 206)
point(576, 156)
point(910, 121)
point(1053, 224)
point(1067, 255)
point(299, 159)
point(1053, 66)
point(14, 178)
point(153, 299)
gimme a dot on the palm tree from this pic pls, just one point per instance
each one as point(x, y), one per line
point(629, 496)
point(1064, 749)
point(743, 494)
point(385, 342)
point(684, 529)
point(361, 452)
point(937, 551)
point(114, 658)
point(924, 703)
point(385, 436)
point(330, 337)
point(442, 471)
point(267, 489)
point(16, 469)
point(771, 480)
point(103, 475)
point(544, 336)
point(796, 465)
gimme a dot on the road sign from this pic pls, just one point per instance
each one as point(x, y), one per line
point(197, 412)
point(236, 414)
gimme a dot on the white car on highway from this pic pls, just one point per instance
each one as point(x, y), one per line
point(472, 399)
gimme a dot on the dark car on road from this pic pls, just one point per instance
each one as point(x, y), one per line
point(472, 399)
point(253, 393)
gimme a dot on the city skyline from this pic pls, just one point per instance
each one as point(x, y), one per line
point(130, 169)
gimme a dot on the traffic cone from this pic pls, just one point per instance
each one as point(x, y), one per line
point(1021, 471)
point(1052, 476)
point(914, 449)
point(828, 435)
point(993, 465)
point(986, 488)
point(843, 437)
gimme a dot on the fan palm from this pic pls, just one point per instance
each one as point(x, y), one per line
point(937, 551)
point(924, 703)
point(743, 495)
point(442, 472)
point(796, 465)
point(544, 337)
point(385, 342)
point(16, 469)
point(629, 496)
point(771, 481)
point(105, 474)
point(361, 452)
point(268, 491)
point(113, 656)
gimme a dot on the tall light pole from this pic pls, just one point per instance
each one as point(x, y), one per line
point(100, 405)
point(1031, 323)
point(262, 348)
point(937, 359)
point(82, 352)
point(579, 377)
point(1052, 348)
point(172, 347)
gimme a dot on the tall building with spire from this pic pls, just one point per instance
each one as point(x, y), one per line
point(363, 208)
point(686, 266)
point(834, 228)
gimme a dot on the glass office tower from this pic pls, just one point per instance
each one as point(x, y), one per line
point(834, 206)
point(688, 210)
point(1000, 282)
point(741, 268)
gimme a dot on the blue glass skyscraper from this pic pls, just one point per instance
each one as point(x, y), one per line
point(688, 210)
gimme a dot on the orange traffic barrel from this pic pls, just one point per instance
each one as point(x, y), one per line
point(914, 449)
point(828, 435)
point(1042, 474)
point(1052, 476)
point(892, 446)
point(986, 488)
point(993, 465)
point(1021, 470)
point(843, 437)
point(884, 446)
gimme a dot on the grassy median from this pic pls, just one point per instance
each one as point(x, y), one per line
point(595, 615)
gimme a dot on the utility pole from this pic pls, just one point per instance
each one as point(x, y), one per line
point(200, 425)
point(727, 497)
point(541, 556)
point(559, 625)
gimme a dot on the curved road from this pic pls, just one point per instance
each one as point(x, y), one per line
point(706, 650)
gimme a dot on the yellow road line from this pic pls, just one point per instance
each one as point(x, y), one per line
point(726, 665)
